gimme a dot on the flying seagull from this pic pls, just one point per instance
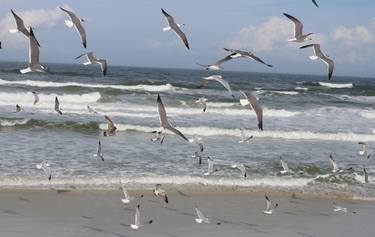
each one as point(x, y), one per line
point(299, 37)
point(219, 79)
point(217, 66)
point(18, 108)
point(199, 153)
point(77, 23)
point(244, 138)
point(99, 151)
point(337, 208)
point(164, 120)
point(34, 65)
point(57, 106)
point(45, 166)
point(241, 168)
point(92, 60)
point(111, 129)
point(333, 164)
point(36, 97)
point(365, 149)
point(245, 54)
point(203, 102)
point(127, 198)
point(159, 192)
point(172, 25)
point(201, 218)
point(137, 219)
point(269, 209)
point(366, 175)
point(324, 57)
point(254, 103)
point(158, 136)
point(20, 26)
point(314, 1)
point(210, 167)
point(284, 165)
point(91, 110)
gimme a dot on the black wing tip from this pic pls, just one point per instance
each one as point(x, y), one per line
point(84, 45)
point(269, 65)
point(159, 98)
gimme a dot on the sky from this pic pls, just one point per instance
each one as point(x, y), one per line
point(129, 33)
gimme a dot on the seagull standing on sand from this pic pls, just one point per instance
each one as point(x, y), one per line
point(314, 1)
point(91, 59)
point(269, 208)
point(210, 167)
point(21, 28)
point(333, 164)
point(245, 54)
point(164, 120)
point(241, 168)
point(111, 129)
point(137, 219)
point(203, 102)
point(337, 208)
point(284, 165)
point(45, 166)
point(365, 149)
point(99, 151)
point(219, 79)
point(324, 57)
point(57, 106)
point(77, 23)
point(299, 37)
point(127, 198)
point(244, 138)
point(36, 97)
point(172, 25)
point(34, 65)
point(159, 192)
point(201, 218)
point(254, 103)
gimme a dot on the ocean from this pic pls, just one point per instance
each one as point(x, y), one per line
point(306, 118)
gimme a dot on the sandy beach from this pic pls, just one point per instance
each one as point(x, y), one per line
point(238, 213)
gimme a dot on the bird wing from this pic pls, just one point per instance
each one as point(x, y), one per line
point(181, 35)
point(36, 97)
point(252, 56)
point(168, 18)
point(333, 163)
point(366, 175)
point(33, 50)
point(268, 203)
point(284, 165)
point(103, 66)
point(111, 126)
point(137, 217)
point(162, 113)
point(20, 24)
point(99, 152)
point(314, 1)
point(210, 165)
point(77, 25)
point(174, 130)
point(200, 214)
point(257, 108)
point(330, 65)
point(57, 104)
point(126, 195)
point(223, 60)
point(298, 26)
point(225, 84)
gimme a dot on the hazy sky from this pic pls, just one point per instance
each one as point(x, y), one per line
point(129, 33)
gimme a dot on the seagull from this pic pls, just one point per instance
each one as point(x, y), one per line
point(91, 110)
point(99, 151)
point(137, 219)
point(198, 154)
point(333, 164)
point(284, 165)
point(324, 57)
point(164, 120)
point(159, 192)
point(254, 103)
point(18, 108)
point(337, 208)
point(127, 198)
point(210, 168)
point(172, 25)
point(269, 209)
point(201, 218)
point(34, 65)
point(314, 1)
point(57, 106)
point(217, 66)
point(299, 37)
point(159, 136)
point(77, 23)
point(111, 129)
point(244, 138)
point(36, 97)
point(20, 26)
point(92, 60)
point(245, 54)
point(241, 168)
point(366, 175)
point(365, 149)
point(202, 101)
point(219, 79)
point(45, 166)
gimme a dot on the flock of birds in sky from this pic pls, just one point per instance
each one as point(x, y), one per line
point(249, 99)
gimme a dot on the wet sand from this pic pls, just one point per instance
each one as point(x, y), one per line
point(237, 213)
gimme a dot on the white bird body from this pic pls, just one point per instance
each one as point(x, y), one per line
point(127, 198)
point(210, 167)
point(34, 65)
point(337, 208)
point(201, 218)
point(365, 149)
point(45, 166)
point(299, 37)
point(91, 59)
point(333, 163)
point(285, 167)
point(137, 220)
point(269, 208)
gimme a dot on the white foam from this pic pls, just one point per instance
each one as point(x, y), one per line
point(289, 135)
point(301, 88)
point(368, 114)
point(336, 85)
point(10, 123)
point(286, 92)
point(150, 88)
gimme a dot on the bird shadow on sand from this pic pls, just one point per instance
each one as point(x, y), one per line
point(289, 213)
point(11, 212)
point(305, 234)
point(118, 235)
point(24, 199)
point(183, 194)
point(87, 217)
point(93, 228)
point(171, 209)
